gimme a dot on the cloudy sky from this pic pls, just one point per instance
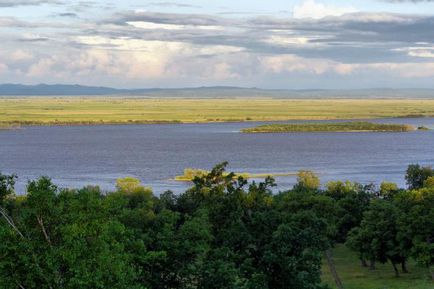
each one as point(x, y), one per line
point(269, 44)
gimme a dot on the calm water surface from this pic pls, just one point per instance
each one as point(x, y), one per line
point(75, 156)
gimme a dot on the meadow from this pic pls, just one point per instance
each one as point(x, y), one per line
point(117, 110)
point(354, 276)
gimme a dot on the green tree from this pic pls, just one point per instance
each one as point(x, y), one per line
point(378, 233)
point(429, 183)
point(68, 240)
point(388, 190)
point(307, 181)
point(416, 225)
point(417, 175)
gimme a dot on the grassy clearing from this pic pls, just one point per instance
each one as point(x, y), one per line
point(354, 276)
point(116, 110)
point(190, 174)
point(329, 127)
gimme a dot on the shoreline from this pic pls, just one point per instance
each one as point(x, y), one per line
point(23, 124)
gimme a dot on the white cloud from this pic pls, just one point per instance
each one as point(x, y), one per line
point(292, 63)
point(21, 55)
point(406, 70)
point(151, 25)
point(134, 59)
point(3, 68)
point(164, 26)
point(42, 68)
point(294, 41)
point(422, 52)
point(376, 17)
point(314, 10)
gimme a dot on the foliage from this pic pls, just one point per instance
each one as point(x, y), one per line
point(6, 186)
point(417, 175)
point(307, 181)
point(223, 232)
point(329, 127)
point(190, 174)
point(429, 182)
point(388, 190)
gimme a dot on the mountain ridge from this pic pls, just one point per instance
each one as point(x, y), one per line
point(10, 89)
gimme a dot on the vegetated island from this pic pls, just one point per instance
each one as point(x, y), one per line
point(190, 174)
point(329, 127)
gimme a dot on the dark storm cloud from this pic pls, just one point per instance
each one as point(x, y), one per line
point(34, 39)
point(358, 37)
point(13, 3)
point(67, 14)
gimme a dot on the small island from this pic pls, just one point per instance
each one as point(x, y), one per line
point(330, 127)
point(190, 174)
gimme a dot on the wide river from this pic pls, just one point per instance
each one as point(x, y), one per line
point(74, 156)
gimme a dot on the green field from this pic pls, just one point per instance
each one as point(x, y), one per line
point(329, 127)
point(354, 276)
point(116, 110)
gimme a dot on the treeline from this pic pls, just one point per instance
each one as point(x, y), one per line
point(221, 233)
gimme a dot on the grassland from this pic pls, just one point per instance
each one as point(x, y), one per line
point(329, 127)
point(116, 110)
point(354, 276)
point(190, 174)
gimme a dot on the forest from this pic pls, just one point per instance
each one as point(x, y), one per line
point(223, 232)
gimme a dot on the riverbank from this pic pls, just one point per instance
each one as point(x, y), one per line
point(9, 126)
point(330, 127)
point(117, 110)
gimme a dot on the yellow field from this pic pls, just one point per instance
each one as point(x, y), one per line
point(99, 110)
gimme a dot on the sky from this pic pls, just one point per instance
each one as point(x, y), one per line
point(300, 44)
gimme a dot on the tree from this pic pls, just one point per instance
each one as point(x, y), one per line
point(68, 240)
point(416, 225)
point(307, 181)
point(339, 189)
point(350, 212)
point(429, 183)
point(378, 235)
point(417, 175)
point(388, 190)
point(7, 183)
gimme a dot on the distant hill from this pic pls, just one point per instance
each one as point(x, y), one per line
point(207, 92)
point(56, 89)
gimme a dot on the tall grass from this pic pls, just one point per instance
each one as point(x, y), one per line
point(117, 110)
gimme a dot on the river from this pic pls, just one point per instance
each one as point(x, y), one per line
point(75, 156)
